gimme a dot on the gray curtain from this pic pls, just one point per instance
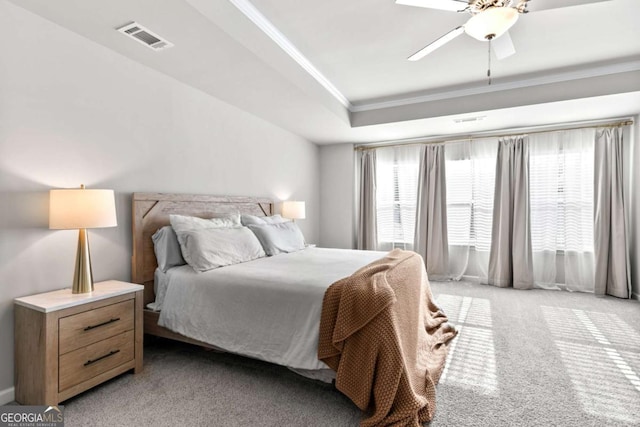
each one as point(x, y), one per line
point(430, 239)
point(610, 228)
point(511, 258)
point(367, 226)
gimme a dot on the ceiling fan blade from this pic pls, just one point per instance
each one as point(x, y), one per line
point(538, 5)
point(451, 5)
point(436, 44)
point(503, 46)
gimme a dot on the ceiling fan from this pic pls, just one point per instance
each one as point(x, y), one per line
point(490, 20)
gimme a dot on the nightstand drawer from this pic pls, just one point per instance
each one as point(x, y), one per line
point(87, 362)
point(96, 325)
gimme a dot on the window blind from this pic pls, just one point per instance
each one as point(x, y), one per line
point(396, 196)
point(561, 191)
point(470, 186)
point(561, 173)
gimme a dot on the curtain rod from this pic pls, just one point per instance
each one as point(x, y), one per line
point(488, 134)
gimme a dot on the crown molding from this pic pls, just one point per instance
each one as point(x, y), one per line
point(250, 11)
point(517, 84)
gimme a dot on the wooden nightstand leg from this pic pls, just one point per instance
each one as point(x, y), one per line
point(139, 331)
point(51, 363)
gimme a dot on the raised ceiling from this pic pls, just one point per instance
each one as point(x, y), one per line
point(574, 63)
point(362, 45)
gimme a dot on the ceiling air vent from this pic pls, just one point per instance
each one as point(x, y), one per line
point(144, 36)
point(469, 119)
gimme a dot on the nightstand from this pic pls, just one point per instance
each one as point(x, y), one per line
point(67, 343)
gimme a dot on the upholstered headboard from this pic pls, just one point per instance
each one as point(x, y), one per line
point(151, 212)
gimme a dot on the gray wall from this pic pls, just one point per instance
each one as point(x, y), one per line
point(73, 112)
point(337, 196)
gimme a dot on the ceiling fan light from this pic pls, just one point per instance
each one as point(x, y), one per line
point(491, 23)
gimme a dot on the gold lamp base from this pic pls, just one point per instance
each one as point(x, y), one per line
point(83, 276)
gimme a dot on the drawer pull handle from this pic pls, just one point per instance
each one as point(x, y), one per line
point(111, 353)
point(88, 328)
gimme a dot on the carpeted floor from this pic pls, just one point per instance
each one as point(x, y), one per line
point(523, 358)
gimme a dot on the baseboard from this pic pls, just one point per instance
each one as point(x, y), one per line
point(635, 296)
point(8, 395)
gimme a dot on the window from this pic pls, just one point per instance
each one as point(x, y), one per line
point(561, 201)
point(459, 201)
point(396, 196)
point(471, 168)
point(561, 168)
point(561, 191)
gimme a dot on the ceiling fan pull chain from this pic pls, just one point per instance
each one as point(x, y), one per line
point(489, 61)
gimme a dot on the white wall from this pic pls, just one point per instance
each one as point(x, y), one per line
point(337, 196)
point(73, 112)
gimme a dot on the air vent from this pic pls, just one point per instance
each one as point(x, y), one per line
point(144, 36)
point(469, 119)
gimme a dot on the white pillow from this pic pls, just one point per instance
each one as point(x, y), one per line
point(208, 248)
point(184, 223)
point(252, 219)
point(167, 248)
point(278, 238)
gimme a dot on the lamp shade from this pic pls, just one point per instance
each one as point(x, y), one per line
point(293, 210)
point(81, 208)
point(491, 23)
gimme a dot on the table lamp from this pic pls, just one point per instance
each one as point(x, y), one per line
point(293, 210)
point(71, 209)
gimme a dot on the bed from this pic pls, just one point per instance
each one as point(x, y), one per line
point(319, 312)
point(268, 309)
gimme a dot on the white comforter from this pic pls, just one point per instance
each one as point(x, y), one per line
point(267, 309)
